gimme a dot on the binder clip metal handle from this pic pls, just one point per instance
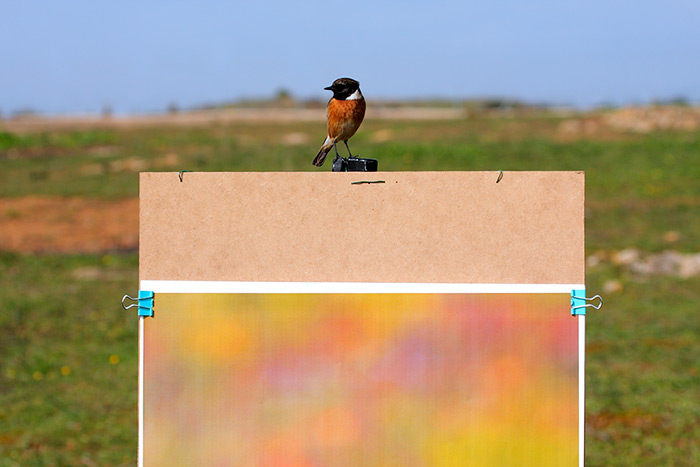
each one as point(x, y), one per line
point(578, 305)
point(144, 303)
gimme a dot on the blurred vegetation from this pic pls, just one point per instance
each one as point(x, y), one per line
point(68, 367)
point(67, 400)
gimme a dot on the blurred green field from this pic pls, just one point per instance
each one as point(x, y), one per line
point(68, 352)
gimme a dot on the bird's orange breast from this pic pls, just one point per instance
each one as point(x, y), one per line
point(345, 117)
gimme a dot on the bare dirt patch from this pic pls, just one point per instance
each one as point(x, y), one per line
point(38, 224)
point(631, 119)
point(658, 118)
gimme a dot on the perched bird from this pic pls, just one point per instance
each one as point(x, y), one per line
point(345, 112)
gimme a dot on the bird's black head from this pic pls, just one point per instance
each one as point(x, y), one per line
point(343, 88)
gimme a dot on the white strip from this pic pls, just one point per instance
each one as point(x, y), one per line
point(141, 375)
point(354, 96)
point(581, 387)
point(158, 286)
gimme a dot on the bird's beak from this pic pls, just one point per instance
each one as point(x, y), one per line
point(329, 88)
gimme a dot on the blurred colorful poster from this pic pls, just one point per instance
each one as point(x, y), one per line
point(361, 380)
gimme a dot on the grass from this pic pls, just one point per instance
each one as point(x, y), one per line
point(643, 374)
point(68, 368)
point(64, 402)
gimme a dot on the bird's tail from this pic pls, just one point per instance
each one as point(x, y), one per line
point(323, 152)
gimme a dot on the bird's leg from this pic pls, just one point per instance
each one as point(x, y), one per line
point(346, 145)
point(337, 156)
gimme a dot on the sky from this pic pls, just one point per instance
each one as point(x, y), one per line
point(77, 56)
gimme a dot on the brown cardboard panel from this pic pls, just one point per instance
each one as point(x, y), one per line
point(452, 227)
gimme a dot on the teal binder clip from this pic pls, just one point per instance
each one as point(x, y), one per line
point(144, 303)
point(578, 302)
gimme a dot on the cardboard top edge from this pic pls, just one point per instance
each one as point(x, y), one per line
point(412, 172)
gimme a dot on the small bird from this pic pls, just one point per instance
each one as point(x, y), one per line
point(345, 112)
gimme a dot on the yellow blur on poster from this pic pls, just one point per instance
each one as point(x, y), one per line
point(361, 380)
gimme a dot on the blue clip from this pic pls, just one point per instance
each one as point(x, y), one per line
point(145, 303)
point(578, 302)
